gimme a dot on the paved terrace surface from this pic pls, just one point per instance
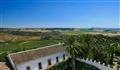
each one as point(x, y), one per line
point(3, 66)
point(95, 64)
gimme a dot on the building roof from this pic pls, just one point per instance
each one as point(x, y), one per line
point(24, 56)
point(4, 66)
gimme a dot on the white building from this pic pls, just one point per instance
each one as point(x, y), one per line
point(38, 59)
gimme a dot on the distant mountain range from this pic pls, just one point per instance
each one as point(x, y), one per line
point(114, 29)
point(81, 29)
point(106, 29)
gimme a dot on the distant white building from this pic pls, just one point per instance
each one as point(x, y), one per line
point(38, 59)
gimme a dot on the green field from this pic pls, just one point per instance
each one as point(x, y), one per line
point(11, 47)
point(7, 45)
point(74, 32)
point(90, 41)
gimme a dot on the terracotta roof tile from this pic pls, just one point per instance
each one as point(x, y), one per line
point(21, 57)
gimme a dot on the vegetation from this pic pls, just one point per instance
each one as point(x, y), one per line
point(55, 35)
point(73, 48)
point(11, 47)
point(23, 36)
point(79, 66)
point(13, 40)
point(100, 46)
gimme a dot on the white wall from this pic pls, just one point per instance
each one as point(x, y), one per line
point(44, 61)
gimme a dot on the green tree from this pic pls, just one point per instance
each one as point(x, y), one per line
point(73, 48)
point(112, 49)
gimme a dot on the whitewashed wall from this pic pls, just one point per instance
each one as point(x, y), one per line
point(44, 61)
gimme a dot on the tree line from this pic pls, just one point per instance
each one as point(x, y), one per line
point(97, 47)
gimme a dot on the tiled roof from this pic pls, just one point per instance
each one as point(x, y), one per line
point(3, 66)
point(24, 56)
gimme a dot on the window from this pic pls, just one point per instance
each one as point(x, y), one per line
point(28, 68)
point(49, 61)
point(40, 66)
point(57, 60)
point(63, 56)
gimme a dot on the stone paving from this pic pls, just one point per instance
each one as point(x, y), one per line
point(3, 66)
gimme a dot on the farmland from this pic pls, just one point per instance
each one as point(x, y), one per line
point(90, 32)
point(12, 41)
point(15, 40)
point(11, 47)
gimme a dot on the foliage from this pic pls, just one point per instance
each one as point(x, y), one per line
point(99, 47)
point(12, 47)
point(52, 35)
point(22, 33)
point(79, 66)
point(73, 48)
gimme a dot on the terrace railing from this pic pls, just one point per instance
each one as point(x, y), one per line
point(98, 65)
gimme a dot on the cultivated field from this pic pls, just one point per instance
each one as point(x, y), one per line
point(12, 41)
point(14, 38)
point(25, 39)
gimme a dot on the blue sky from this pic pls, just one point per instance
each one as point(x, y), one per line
point(59, 13)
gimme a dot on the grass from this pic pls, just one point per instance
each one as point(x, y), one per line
point(12, 47)
point(74, 32)
point(89, 32)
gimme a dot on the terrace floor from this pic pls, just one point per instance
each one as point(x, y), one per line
point(4, 66)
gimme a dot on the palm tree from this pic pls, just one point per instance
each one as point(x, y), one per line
point(84, 42)
point(72, 47)
point(113, 47)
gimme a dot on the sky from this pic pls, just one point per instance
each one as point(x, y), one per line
point(59, 13)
